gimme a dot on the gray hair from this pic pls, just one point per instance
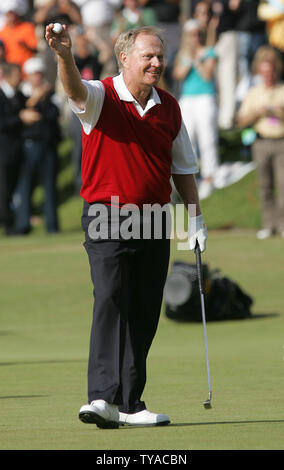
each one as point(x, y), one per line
point(126, 40)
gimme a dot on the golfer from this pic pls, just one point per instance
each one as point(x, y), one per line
point(133, 141)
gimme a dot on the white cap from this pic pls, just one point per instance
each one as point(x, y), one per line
point(190, 25)
point(35, 64)
point(18, 6)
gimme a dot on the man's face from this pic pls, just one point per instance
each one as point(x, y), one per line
point(35, 79)
point(11, 18)
point(267, 70)
point(131, 4)
point(144, 64)
point(202, 13)
point(14, 77)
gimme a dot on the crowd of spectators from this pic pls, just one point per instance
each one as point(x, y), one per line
point(210, 48)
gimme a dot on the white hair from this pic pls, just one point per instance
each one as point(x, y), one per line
point(126, 40)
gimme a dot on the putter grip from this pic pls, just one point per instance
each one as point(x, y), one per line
point(199, 266)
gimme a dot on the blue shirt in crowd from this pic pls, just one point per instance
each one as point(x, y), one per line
point(194, 83)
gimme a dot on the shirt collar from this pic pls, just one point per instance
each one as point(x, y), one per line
point(8, 90)
point(125, 95)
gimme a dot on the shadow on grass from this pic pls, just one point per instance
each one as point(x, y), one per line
point(253, 316)
point(22, 396)
point(47, 361)
point(171, 425)
point(257, 316)
point(229, 422)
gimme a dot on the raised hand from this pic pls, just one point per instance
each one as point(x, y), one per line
point(60, 43)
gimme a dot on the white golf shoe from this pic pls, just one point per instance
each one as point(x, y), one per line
point(264, 233)
point(143, 418)
point(101, 413)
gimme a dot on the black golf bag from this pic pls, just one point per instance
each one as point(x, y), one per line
point(224, 299)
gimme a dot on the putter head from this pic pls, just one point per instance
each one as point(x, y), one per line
point(207, 404)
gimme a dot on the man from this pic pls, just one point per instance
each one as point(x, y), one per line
point(18, 35)
point(39, 141)
point(263, 110)
point(13, 118)
point(133, 137)
point(227, 50)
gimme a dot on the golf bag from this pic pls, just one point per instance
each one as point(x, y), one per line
point(224, 299)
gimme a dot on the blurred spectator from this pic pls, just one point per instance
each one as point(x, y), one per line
point(2, 58)
point(263, 110)
point(12, 102)
point(168, 13)
point(30, 10)
point(227, 51)
point(89, 58)
point(19, 36)
point(97, 18)
point(98, 13)
point(203, 13)
point(40, 139)
point(57, 11)
point(272, 12)
point(2, 18)
point(195, 66)
point(251, 35)
point(132, 15)
point(54, 11)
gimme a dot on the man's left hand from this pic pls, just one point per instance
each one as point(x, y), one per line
point(197, 231)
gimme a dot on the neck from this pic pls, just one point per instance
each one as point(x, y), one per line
point(141, 96)
point(140, 92)
point(269, 83)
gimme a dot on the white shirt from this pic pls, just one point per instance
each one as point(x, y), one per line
point(7, 89)
point(97, 12)
point(184, 160)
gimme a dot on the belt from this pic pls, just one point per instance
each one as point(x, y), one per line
point(260, 137)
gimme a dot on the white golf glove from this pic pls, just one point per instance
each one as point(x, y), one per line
point(197, 231)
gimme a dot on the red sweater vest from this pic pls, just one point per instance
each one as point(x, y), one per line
point(129, 156)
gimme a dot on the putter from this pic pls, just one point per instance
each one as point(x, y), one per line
point(207, 403)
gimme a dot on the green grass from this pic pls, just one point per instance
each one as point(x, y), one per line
point(46, 304)
point(236, 206)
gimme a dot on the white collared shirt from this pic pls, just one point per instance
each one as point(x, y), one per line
point(7, 89)
point(184, 160)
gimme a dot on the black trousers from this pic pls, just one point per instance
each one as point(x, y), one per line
point(128, 278)
point(38, 157)
point(9, 172)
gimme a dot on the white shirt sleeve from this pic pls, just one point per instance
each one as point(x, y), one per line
point(89, 116)
point(184, 160)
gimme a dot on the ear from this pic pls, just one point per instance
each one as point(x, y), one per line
point(123, 58)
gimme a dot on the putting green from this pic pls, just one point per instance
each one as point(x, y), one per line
point(46, 304)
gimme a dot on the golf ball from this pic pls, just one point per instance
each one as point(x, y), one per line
point(57, 28)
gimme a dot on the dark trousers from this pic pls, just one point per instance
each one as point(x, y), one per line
point(42, 159)
point(128, 278)
point(269, 157)
point(9, 171)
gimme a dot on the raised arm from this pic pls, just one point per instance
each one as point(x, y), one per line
point(68, 72)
